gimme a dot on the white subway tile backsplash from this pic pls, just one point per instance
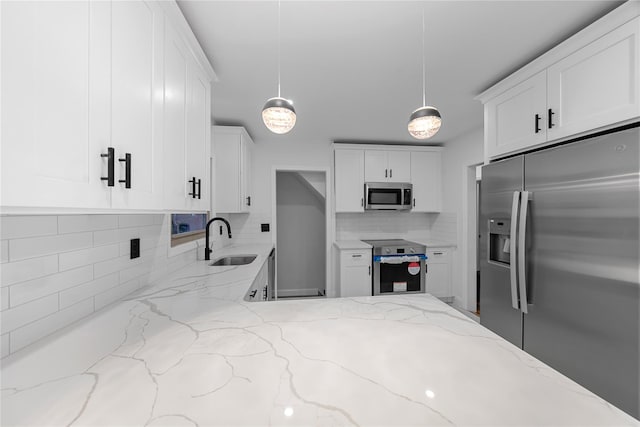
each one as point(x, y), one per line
point(14, 227)
point(21, 315)
point(58, 269)
point(4, 298)
point(4, 345)
point(32, 332)
point(79, 223)
point(69, 260)
point(20, 271)
point(125, 221)
point(39, 246)
point(4, 251)
point(73, 295)
point(37, 288)
point(115, 293)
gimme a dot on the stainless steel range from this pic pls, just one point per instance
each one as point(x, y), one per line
point(398, 266)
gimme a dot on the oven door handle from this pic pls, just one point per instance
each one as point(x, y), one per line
point(398, 259)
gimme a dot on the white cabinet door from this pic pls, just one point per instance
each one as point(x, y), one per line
point(233, 152)
point(376, 167)
point(399, 164)
point(50, 83)
point(198, 139)
point(597, 85)
point(175, 126)
point(426, 180)
point(349, 180)
point(246, 166)
point(516, 119)
point(438, 275)
point(355, 273)
point(136, 107)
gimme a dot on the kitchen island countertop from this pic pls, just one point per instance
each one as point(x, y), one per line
point(190, 351)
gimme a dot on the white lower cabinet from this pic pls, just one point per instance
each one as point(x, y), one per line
point(355, 272)
point(438, 273)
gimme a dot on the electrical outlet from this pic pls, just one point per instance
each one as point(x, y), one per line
point(264, 227)
point(135, 249)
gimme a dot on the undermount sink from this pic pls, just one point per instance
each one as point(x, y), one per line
point(234, 260)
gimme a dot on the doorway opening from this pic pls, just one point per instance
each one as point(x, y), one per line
point(301, 218)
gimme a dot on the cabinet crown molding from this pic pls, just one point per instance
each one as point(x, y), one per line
point(614, 19)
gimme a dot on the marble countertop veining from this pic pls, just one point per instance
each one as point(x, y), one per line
point(189, 351)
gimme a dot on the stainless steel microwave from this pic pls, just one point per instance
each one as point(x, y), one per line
point(388, 195)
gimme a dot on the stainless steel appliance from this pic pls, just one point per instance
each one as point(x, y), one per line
point(398, 266)
point(388, 195)
point(559, 260)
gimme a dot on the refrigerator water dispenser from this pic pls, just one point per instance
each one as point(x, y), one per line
point(499, 241)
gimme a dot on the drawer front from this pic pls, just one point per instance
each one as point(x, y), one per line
point(437, 256)
point(351, 258)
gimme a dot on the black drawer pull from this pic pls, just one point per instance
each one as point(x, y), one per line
point(551, 114)
point(538, 123)
point(127, 170)
point(437, 253)
point(199, 188)
point(193, 193)
point(253, 293)
point(111, 154)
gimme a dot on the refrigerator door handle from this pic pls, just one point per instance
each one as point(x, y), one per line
point(513, 250)
point(522, 280)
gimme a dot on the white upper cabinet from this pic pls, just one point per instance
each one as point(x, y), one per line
point(136, 104)
point(426, 177)
point(387, 166)
point(52, 103)
point(517, 118)
point(187, 128)
point(420, 166)
point(84, 108)
point(597, 85)
point(349, 180)
point(233, 150)
point(589, 82)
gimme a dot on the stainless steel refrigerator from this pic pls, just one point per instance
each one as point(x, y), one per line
point(559, 256)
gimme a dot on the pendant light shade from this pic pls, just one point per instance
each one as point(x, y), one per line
point(424, 122)
point(278, 115)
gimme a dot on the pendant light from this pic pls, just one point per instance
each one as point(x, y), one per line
point(278, 113)
point(426, 120)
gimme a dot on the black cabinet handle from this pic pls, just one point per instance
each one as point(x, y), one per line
point(390, 173)
point(414, 202)
point(551, 113)
point(253, 294)
point(264, 293)
point(193, 193)
point(199, 188)
point(538, 123)
point(111, 154)
point(385, 173)
point(127, 170)
point(249, 201)
point(361, 201)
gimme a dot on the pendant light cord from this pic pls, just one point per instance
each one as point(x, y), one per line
point(424, 90)
point(278, 48)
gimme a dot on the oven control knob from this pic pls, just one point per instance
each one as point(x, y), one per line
point(413, 251)
point(387, 250)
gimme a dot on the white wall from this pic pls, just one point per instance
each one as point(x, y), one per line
point(384, 225)
point(458, 155)
point(266, 156)
point(301, 239)
point(58, 269)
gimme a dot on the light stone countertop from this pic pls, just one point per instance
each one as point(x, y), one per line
point(190, 351)
point(352, 244)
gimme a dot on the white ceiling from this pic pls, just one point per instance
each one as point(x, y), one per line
point(353, 69)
